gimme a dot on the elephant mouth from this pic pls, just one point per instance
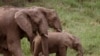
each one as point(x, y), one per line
point(58, 30)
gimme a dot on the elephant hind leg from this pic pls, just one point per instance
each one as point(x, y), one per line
point(13, 41)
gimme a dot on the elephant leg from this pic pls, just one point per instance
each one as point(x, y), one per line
point(37, 48)
point(60, 54)
point(7, 53)
point(62, 51)
point(44, 40)
point(57, 53)
point(13, 41)
point(31, 42)
point(36, 51)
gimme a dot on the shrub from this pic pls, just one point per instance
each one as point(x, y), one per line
point(13, 2)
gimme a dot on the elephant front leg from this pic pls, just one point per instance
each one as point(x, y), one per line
point(30, 39)
point(14, 45)
point(79, 49)
point(37, 48)
point(44, 40)
point(62, 51)
point(57, 53)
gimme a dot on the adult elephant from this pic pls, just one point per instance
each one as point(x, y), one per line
point(15, 23)
point(25, 22)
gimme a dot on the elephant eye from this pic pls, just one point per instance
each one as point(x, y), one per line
point(54, 18)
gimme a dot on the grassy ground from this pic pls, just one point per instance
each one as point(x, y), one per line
point(80, 19)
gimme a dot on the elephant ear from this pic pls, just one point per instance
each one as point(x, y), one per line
point(23, 22)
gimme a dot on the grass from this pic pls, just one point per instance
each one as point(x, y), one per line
point(80, 19)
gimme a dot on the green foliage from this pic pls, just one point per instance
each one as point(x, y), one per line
point(13, 2)
point(17, 2)
point(26, 47)
point(1, 3)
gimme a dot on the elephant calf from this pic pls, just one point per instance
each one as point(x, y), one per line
point(58, 43)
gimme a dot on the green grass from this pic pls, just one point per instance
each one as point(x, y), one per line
point(82, 20)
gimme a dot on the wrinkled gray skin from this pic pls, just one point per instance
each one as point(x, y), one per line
point(58, 42)
point(17, 21)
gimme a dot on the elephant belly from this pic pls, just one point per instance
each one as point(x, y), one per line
point(53, 49)
point(53, 44)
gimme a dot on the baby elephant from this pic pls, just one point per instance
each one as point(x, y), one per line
point(58, 43)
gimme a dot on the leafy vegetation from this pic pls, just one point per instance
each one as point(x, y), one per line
point(13, 2)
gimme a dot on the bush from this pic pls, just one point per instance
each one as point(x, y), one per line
point(13, 2)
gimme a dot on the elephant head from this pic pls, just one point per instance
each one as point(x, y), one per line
point(51, 16)
point(30, 20)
